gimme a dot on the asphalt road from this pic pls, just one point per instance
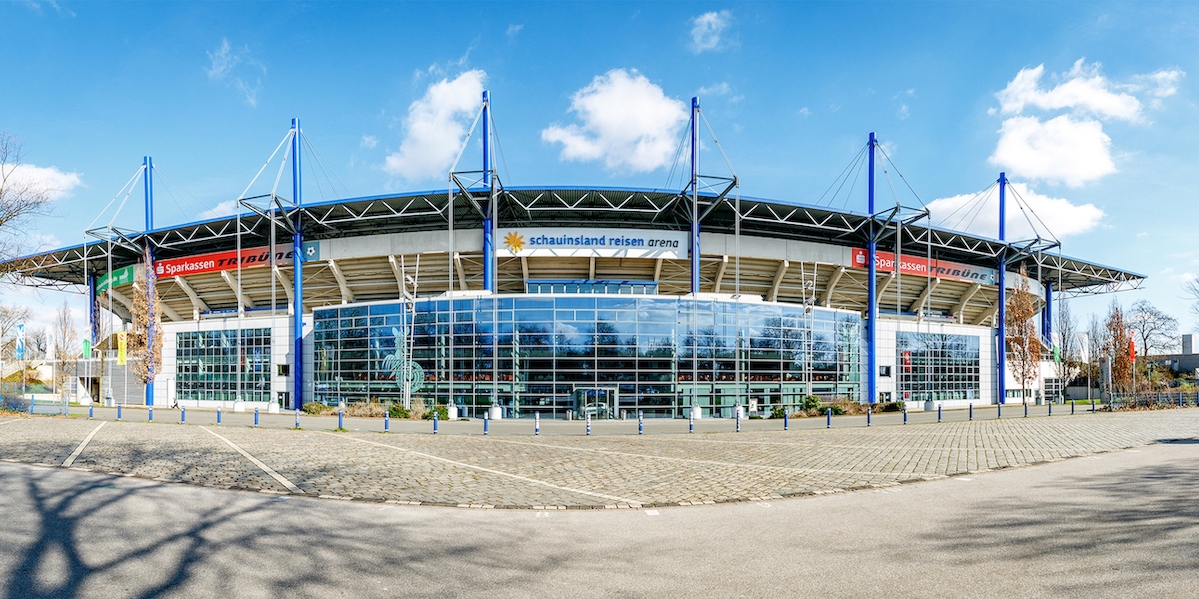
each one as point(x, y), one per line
point(1122, 524)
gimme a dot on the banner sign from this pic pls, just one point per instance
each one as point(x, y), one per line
point(117, 278)
point(86, 348)
point(922, 267)
point(600, 243)
point(218, 261)
point(19, 352)
point(122, 347)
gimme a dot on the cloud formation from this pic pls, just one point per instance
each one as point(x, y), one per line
point(625, 120)
point(970, 214)
point(368, 141)
point(48, 179)
point(707, 31)
point(236, 69)
point(1068, 145)
point(435, 128)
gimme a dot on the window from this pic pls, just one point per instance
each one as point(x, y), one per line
point(283, 369)
point(937, 367)
point(223, 365)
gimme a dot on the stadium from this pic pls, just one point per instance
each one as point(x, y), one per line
point(514, 301)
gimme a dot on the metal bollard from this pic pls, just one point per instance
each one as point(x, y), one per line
point(255, 417)
point(1092, 404)
point(91, 412)
point(536, 424)
point(1071, 407)
point(31, 405)
point(972, 411)
point(868, 411)
point(182, 415)
point(218, 415)
point(485, 421)
point(640, 422)
point(434, 422)
point(691, 421)
point(938, 412)
point(386, 422)
point(588, 424)
point(828, 418)
point(340, 419)
point(738, 415)
point(786, 423)
point(1051, 408)
point(118, 410)
point(150, 414)
point(905, 414)
point(297, 419)
point(1026, 409)
point(999, 410)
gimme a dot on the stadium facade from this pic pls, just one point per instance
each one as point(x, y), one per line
point(516, 300)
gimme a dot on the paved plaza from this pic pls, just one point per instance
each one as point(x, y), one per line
point(564, 468)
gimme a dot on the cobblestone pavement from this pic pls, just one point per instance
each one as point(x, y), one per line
point(559, 472)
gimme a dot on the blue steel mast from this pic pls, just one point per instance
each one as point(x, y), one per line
point(297, 278)
point(1001, 333)
point(489, 219)
point(695, 195)
point(871, 284)
point(148, 188)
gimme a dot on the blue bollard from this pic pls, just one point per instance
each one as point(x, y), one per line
point(786, 423)
point(297, 418)
point(972, 411)
point(485, 420)
point(738, 415)
point(118, 411)
point(640, 423)
point(31, 405)
point(150, 414)
point(91, 412)
point(691, 420)
point(386, 422)
point(938, 412)
point(218, 415)
point(828, 417)
point(434, 422)
point(905, 414)
point(1092, 404)
point(182, 415)
point(868, 411)
point(536, 424)
point(255, 416)
point(340, 419)
point(589, 424)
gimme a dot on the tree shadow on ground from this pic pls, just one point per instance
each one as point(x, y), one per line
point(1150, 512)
point(86, 535)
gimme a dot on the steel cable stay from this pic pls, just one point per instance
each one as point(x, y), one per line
point(198, 207)
point(854, 166)
point(325, 168)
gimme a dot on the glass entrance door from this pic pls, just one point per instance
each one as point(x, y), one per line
point(600, 403)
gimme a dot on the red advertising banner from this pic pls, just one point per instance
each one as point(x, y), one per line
point(218, 261)
point(922, 267)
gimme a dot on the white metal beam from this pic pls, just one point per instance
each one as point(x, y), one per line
point(198, 304)
point(724, 264)
point(928, 290)
point(461, 271)
point(886, 283)
point(778, 280)
point(591, 270)
point(395, 271)
point(347, 296)
point(988, 313)
point(524, 269)
point(961, 305)
point(833, 279)
point(657, 270)
point(286, 284)
point(243, 302)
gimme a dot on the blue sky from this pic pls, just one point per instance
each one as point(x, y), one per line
point(591, 93)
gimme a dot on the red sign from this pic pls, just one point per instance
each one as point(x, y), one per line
point(218, 261)
point(922, 267)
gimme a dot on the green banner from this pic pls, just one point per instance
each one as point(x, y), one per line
point(116, 278)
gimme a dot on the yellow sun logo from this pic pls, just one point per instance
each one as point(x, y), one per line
point(514, 242)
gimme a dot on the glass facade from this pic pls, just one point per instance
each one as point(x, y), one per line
point(937, 367)
point(600, 354)
point(208, 365)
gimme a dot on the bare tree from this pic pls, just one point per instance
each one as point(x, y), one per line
point(21, 198)
point(1096, 341)
point(37, 344)
point(1070, 349)
point(1119, 342)
point(1024, 344)
point(66, 347)
point(1156, 332)
point(1191, 288)
point(10, 317)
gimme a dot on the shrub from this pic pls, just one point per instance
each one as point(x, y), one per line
point(441, 411)
point(317, 408)
point(398, 411)
point(809, 403)
point(777, 413)
point(365, 410)
point(755, 416)
point(891, 406)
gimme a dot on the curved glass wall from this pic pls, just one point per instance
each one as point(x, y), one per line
point(576, 354)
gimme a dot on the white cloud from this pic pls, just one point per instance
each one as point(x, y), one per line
point(368, 141)
point(514, 29)
point(707, 31)
point(1061, 149)
point(435, 127)
point(804, 112)
point(1061, 217)
point(1068, 145)
point(236, 69)
point(54, 182)
point(718, 89)
point(226, 208)
point(903, 112)
point(626, 121)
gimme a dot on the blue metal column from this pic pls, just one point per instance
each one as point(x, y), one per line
point(297, 277)
point(488, 234)
point(1047, 316)
point(148, 186)
point(695, 195)
point(1001, 329)
point(871, 287)
point(93, 312)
